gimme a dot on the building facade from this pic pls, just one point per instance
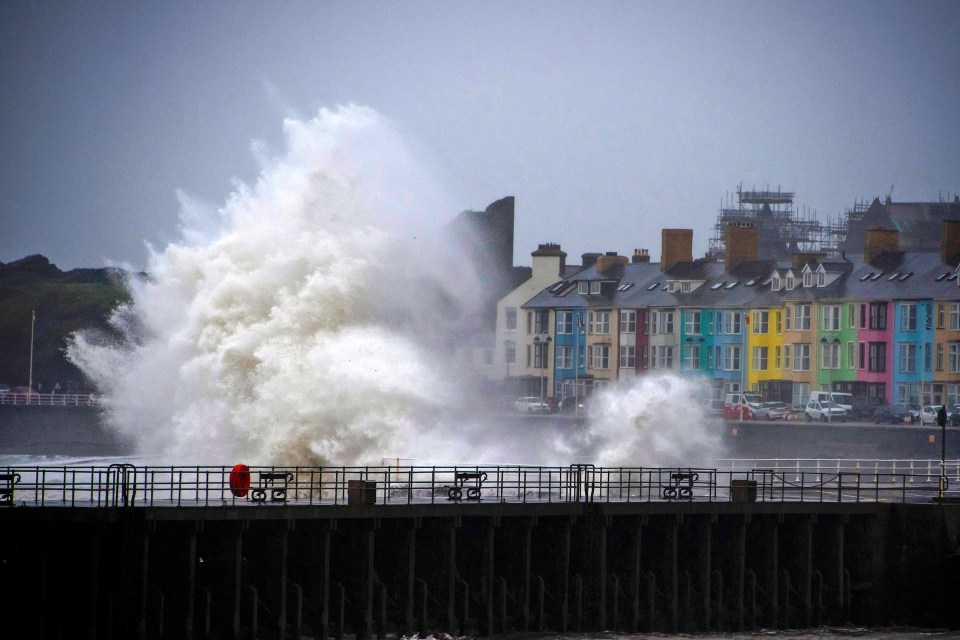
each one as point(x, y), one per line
point(884, 322)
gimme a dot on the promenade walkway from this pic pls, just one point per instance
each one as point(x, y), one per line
point(127, 485)
point(50, 399)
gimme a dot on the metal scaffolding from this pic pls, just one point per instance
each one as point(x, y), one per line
point(781, 229)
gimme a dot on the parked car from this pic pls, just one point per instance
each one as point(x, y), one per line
point(914, 408)
point(893, 414)
point(740, 406)
point(865, 406)
point(531, 404)
point(824, 411)
point(771, 411)
point(928, 414)
point(845, 400)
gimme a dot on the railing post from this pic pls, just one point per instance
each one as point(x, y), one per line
point(253, 612)
point(541, 591)
point(578, 589)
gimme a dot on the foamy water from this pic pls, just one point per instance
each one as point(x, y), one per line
point(308, 321)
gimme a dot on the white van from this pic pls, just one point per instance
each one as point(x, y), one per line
point(843, 400)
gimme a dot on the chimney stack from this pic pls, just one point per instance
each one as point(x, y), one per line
point(640, 255)
point(549, 259)
point(677, 246)
point(611, 258)
point(589, 259)
point(741, 245)
point(878, 241)
point(950, 242)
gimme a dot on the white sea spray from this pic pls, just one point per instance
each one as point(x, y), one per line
point(314, 319)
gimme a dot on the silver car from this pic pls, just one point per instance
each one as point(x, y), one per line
point(824, 412)
point(771, 411)
point(531, 404)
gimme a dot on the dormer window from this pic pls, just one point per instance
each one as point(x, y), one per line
point(821, 278)
point(583, 287)
point(790, 282)
point(684, 287)
point(775, 282)
point(594, 288)
point(807, 279)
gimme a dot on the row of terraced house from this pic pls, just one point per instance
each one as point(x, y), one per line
point(884, 322)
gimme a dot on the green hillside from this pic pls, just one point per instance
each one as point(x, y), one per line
point(64, 302)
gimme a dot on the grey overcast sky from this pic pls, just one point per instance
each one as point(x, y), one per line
point(607, 120)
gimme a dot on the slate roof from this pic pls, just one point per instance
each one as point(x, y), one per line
point(898, 275)
point(895, 275)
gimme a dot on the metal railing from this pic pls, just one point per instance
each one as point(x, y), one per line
point(875, 466)
point(50, 399)
point(126, 485)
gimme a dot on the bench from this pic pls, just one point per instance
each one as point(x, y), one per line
point(275, 482)
point(7, 482)
point(455, 492)
point(680, 487)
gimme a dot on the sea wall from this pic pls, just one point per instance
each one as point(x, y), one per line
point(476, 569)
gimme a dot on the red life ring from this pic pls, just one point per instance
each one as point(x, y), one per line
point(240, 480)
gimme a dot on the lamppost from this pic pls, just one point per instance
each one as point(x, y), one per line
point(744, 354)
point(942, 420)
point(829, 379)
point(543, 350)
point(576, 364)
point(506, 361)
point(33, 321)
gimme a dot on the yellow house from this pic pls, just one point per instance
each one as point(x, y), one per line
point(765, 345)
